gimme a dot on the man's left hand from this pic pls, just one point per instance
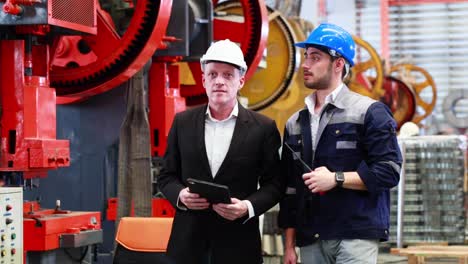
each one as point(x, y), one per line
point(236, 209)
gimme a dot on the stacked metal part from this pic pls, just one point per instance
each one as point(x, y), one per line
point(431, 208)
point(272, 240)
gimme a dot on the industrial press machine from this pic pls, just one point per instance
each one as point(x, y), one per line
point(61, 52)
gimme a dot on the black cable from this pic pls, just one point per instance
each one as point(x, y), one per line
point(80, 259)
point(95, 253)
point(38, 222)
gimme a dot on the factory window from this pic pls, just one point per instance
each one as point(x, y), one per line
point(432, 36)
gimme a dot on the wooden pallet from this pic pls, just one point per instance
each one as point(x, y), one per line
point(418, 254)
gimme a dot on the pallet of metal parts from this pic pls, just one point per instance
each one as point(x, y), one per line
point(428, 204)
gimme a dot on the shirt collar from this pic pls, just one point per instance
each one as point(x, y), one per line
point(330, 98)
point(234, 113)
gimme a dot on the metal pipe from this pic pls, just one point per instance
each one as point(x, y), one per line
point(401, 197)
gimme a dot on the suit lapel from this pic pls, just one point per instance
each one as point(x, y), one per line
point(201, 147)
point(238, 136)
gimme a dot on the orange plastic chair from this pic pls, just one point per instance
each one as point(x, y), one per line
point(143, 238)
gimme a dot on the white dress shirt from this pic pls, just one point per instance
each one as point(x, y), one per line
point(310, 102)
point(218, 136)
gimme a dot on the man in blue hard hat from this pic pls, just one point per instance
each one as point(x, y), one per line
point(336, 207)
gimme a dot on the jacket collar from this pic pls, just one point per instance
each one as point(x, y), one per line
point(234, 112)
point(338, 102)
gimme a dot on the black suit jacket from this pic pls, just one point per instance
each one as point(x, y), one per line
point(252, 160)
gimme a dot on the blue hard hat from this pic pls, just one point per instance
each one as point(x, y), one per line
point(334, 38)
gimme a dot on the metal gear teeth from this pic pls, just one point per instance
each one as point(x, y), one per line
point(291, 68)
point(66, 87)
point(253, 10)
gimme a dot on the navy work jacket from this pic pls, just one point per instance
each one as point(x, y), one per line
point(355, 133)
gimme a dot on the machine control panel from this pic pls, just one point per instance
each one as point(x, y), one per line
point(11, 225)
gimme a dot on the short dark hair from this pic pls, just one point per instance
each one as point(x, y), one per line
point(326, 50)
point(345, 69)
point(332, 57)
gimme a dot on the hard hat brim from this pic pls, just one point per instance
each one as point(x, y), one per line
point(306, 44)
point(239, 67)
point(301, 44)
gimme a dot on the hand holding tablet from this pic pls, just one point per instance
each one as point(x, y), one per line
point(214, 193)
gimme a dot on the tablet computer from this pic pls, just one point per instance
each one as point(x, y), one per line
point(214, 193)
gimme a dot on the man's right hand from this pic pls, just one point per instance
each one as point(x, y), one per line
point(193, 200)
point(290, 256)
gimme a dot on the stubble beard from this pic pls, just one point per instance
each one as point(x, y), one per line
point(320, 84)
point(323, 82)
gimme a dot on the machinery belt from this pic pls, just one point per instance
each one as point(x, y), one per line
point(134, 169)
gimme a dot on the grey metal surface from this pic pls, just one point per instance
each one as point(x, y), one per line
point(32, 15)
point(83, 238)
point(60, 256)
point(178, 27)
point(191, 23)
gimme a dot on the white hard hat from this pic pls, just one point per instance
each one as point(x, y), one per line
point(225, 51)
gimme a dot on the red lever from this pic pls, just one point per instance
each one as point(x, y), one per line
point(13, 9)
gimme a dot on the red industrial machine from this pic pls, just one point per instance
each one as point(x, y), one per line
point(49, 229)
point(63, 51)
point(29, 147)
point(37, 41)
point(166, 94)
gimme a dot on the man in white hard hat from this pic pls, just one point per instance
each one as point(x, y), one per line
point(222, 143)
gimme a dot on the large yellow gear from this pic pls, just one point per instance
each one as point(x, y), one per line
point(400, 99)
point(293, 99)
point(272, 81)
point(273, 90)
point(366, 77)
point(417, 79)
